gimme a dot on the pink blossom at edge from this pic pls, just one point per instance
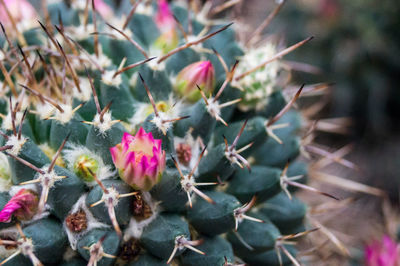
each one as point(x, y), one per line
point(104, 10)
point(383, 253)
point(19, 9)
point(22, 205)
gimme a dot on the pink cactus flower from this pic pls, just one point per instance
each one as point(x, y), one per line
point(20, 10)
point(22, 205)
point(165, 22)
point(164, 18)
point(383, 253)
point(200, 73)
point(104, 10)
point(139, 159)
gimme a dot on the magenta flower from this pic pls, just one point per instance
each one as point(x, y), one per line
point(165, 22)
point(164, 18)
point(20, 10)
point(200, 73)
point(383, 253)
point(139, 159)
point(22, 205)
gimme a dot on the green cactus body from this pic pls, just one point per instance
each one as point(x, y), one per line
point(131, 161)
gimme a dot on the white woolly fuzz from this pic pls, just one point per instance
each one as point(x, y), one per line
point(26, 24)
point(86, 90)
point(143, 110)
point(197, 47)
point(79, 4)
point(133, 80)
point(6, 252)
point(72, 152)
point(195, 150)
point(109, 79)
point(81, 31)
point(107, 123)
point(92, 223)
point(76, 64)
point(135, 228)
point(118, 22)
point(66, 116)
point(111, 197)
point(44, 110)
point(14, 189)
point(213, 108)
point(25, 245)
point(158, 121)
point(5, 174)
point(144, 9)
point(140, 115)
point(16, 144)
point(8, 233)
point(38, 216)
point(7, 121)
point(4, 184)
point(48, 178)
point(102, 60)
point(153, 64)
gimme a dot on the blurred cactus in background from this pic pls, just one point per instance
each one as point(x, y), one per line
point(145, 134)
point(356, 47)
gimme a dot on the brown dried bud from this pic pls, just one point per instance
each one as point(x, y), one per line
point(184, 153)
point(76, 222)
point(141, 209)
point(9, 246)
point(129, 250)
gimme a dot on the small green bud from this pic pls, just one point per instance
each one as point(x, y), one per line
point(82, 165)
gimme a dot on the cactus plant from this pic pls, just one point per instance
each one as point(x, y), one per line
point(143, 137)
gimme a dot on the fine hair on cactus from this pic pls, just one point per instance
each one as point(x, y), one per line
point(145, 133)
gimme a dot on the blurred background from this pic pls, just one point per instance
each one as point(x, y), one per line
point(356, 47)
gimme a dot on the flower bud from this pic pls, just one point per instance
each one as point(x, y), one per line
point(85, 166)
point(200, 73)
point(164, 19)
point(22, 205)
point(139, 159)
point(165, 22)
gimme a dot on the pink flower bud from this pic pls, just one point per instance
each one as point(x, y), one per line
point(383, 253)
point(19, 10)
point(200, 73)
point(139, 160)
point(22, 205)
